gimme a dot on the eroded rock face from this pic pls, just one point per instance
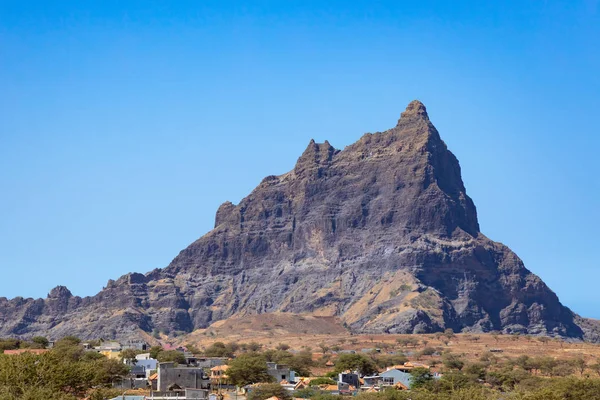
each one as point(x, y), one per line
point(381, 234)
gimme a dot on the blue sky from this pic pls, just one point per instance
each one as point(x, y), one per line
point(125, 124)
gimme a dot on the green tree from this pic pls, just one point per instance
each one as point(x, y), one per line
point(419, 377)
point(247, 369)
point(69, 340)
point(218, 349)
point(41, 341)
point(268, 390)
point(154, 351)
point(452, 361)
point(193, 349)
point(129, 355)
point(9, 344)
point(306, 393)
point(321, 381)
point(171, 356)
point(357, 362)
point(253, 346)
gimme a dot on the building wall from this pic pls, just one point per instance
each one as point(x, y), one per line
point(185, 377)
point(111, 354)
point(351, 379)
point(399, 376)
point(280, 374)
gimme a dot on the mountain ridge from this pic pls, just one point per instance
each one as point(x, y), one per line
point(381, 234)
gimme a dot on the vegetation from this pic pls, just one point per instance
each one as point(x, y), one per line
point(268, 390)
point(321, 381)
point(249, 368)
point(171, 356)
point(220, 349)
point(67, 372)
point(356, 362)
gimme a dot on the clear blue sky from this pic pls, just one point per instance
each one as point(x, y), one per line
point(124, 124)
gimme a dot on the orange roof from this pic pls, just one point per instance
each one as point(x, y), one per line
point(300, 385)
point(220, 368)
point(408, 365)
point(329, 363)
point(21, 351)
point(401, 386)
point(415, 365)
point(329, 388)
point(153, 376)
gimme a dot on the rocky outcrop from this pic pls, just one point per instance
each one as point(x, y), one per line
point(380, 234)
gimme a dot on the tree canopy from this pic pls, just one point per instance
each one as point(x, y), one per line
point(358, 362)
point(248, 369)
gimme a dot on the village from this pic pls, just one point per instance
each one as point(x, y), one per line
point(195, 376)
point(254, 371)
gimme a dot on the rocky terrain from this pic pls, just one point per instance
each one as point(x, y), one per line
point(380, 235)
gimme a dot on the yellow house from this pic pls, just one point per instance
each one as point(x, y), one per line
point(111, 354)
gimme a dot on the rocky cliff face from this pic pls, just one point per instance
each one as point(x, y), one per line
point(381, 234)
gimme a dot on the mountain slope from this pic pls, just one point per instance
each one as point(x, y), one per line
point(381, 234)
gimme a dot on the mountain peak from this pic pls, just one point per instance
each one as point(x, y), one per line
point(60, 292)
point(415, 109)
point(387, 214)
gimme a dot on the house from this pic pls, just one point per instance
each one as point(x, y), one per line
point(281, 372)
point(209, 362)
point(218, 375)
point(135, 380)
point(301, 384)
point(187, 394)
point(172, 378)
point(396, 377)
point(144, 360)
point(332, 389)
point(153, 381)
point(350, 378)
point(346, 389)
point(135, 344)
point(143, 367)
point(111, 350)
point(370, 381)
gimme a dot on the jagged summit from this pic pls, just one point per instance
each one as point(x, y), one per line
point(381, 235)
point(60, 292)
point(415, 109)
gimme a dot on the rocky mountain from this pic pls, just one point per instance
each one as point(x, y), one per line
point(381, 235)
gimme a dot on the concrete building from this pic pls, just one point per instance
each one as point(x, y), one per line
point(210, 362)
point(281, 372)
point(350, 378)
point(135, 345)
point(394, 376)
point(171, 378)
point(149, 364)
